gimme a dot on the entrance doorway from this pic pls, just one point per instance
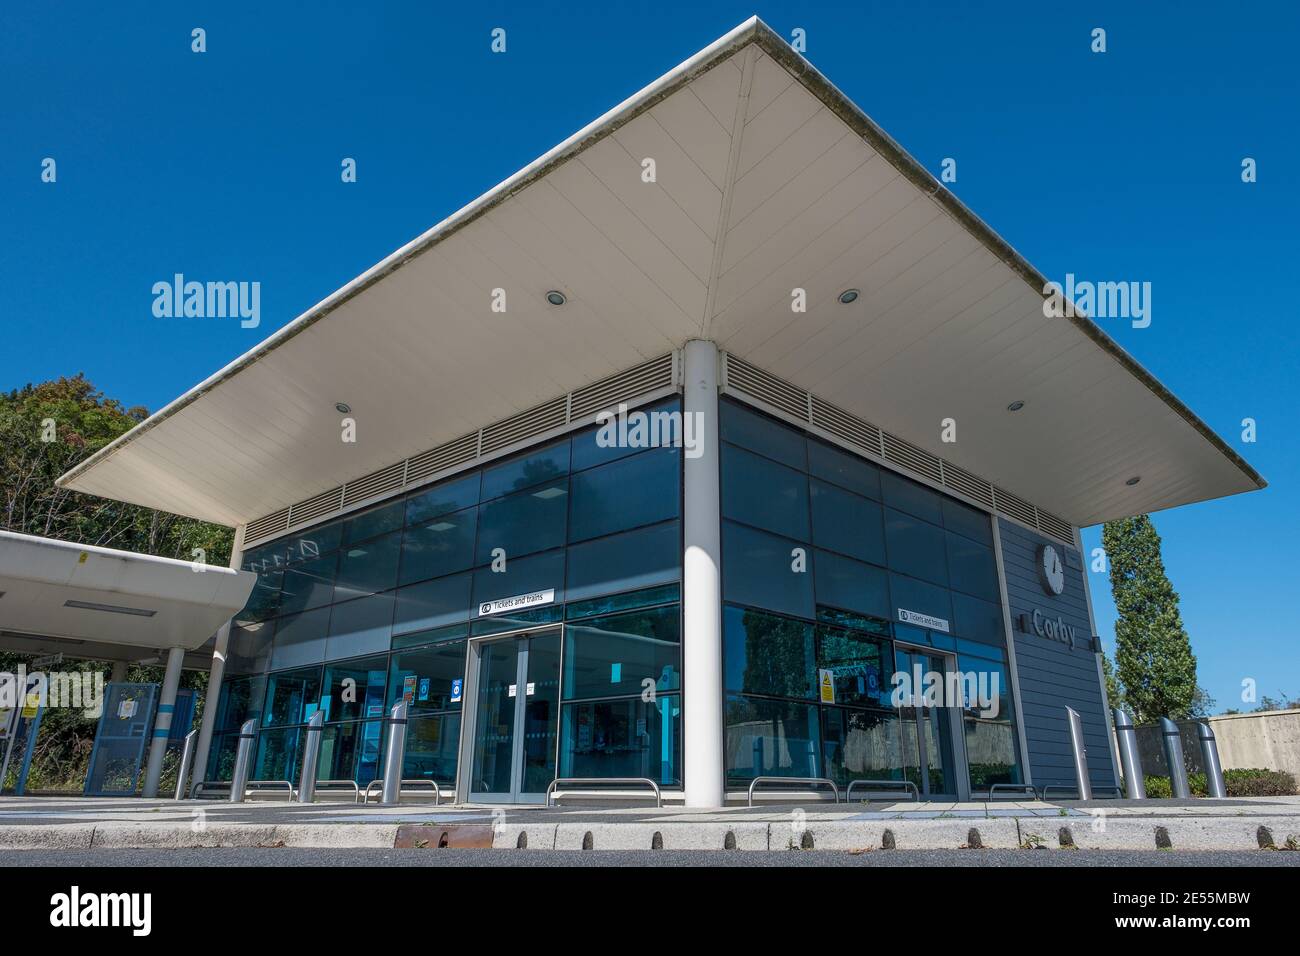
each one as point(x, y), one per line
point(516, 717)
point(933, 757)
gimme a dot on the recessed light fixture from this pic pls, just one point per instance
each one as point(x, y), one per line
point(1134, 480)
point(114, 608)
point(343, 407)
point(1015, 406)
point(849, 295)
point(546, 494)
point(556, 298)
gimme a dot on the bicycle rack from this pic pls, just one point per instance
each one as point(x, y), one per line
point(404, 784)
point(591, 781)
point(1071, 788)
point(805, 781)
point(342, 784)
point(224, 786)
point(1020, 788)
point(883, 784)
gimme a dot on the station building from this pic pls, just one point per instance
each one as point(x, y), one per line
point(574, 475)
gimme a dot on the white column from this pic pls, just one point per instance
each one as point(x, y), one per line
point(213, 695)
point(163, 721)
point(702, 704)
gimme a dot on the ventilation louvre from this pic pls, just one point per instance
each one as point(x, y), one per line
point(607, 393)
point(849, 427)
point(959, 479)
point(767, 388)
point(912, 458)
point(1050, 524)
point(1018, 508)
point(658, 375)
point(373, 484)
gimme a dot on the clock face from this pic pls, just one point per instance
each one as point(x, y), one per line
point(1052, 570)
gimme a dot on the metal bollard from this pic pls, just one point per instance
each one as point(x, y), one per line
point(1080, 754)
point(243, 754)
point(1130, 760)
point(1174, 757)
point(1214, 785)
point(310, 758)
point(187, 758)
point(395, 755)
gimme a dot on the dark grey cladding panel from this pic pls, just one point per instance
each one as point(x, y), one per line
point(1052, 675)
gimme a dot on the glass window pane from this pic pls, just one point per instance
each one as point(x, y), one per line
point(667, 594)
point(540, 572)
point(971, 522)
point(625, 562)
point(972, 567)
point(423, 677)
point(308, 585)
point(843, 468)
point(858, 666)
point(592, 447)
point(862, 745)
point(440, 546)
point(442, 499)
point(362, 626)
point(291, 697)
point(907, 495)
point(977, 620)
point(351, 751)
point(766, 654)
point(539, 466)
point(771, 738)
point(367, 568)
point(248, 650)
point(264, 601)
point(612, 656)
point(315, 542)
point(758, 569)
point(376, 521)
point(241, 699)
point(355, 689)
point(277, 755)
point(768, 437)
point(916, 548)
point(623, 738)
point(432, 604)
point(523, 523)
point(764, 494)
point(300, 639)
point(635, 491)
point(851, 585)
point(913, 595)
point(847, 523)
point(431, 749)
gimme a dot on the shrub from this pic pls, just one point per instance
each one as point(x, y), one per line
point(1239, 783)
point(1159, 788)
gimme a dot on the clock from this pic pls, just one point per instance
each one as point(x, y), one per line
point(1051, 569)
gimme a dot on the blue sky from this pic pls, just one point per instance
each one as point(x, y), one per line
point(226, 164)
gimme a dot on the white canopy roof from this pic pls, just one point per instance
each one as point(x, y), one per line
point(105, 604)
point(767, 179)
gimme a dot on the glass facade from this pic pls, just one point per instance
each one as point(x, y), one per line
point(356, 614)
point(822, 553)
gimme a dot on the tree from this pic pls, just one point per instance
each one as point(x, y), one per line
point(1114, 692)
point(1155, 663)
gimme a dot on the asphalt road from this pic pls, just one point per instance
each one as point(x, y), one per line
point(705, 858)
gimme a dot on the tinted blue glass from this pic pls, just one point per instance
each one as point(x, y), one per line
point(521, 576)
point(766, 654)
point(300, 639)
point(379, 520)
point(972, 568)
point(851, 585)
point(536, 467)
point(859, 666)
point(432, 749)
point(601, 444)
point(248, 650)
point(315, 542)
point(612, 656)
point(862, 745)
point(907, 495)
point(433, 604)
point(624, 494)
point(440, 546)
point(625, 562)
point(847, 523)
point(362, 626)
point(353, 689)
point(291, 697)
point(530, 521)
point(623, 738)
point(915, 547)
point(308, 585)
point(971, 522)
point(264, 600)
point(913, 595)
point(423, 677)
point(740, 426)
point(843, 469)
point(454, 495)
point(757, 569)
point(977, 620)
point(368, 567)
point(762, 493)
point(277, 755)
point(772, 738)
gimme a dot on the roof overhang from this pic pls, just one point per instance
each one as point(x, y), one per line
point(103, 604)
point(767, 179)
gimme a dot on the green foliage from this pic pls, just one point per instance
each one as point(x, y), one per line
point(1238, 783)
point(1155, 663)
point(1114, 692)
